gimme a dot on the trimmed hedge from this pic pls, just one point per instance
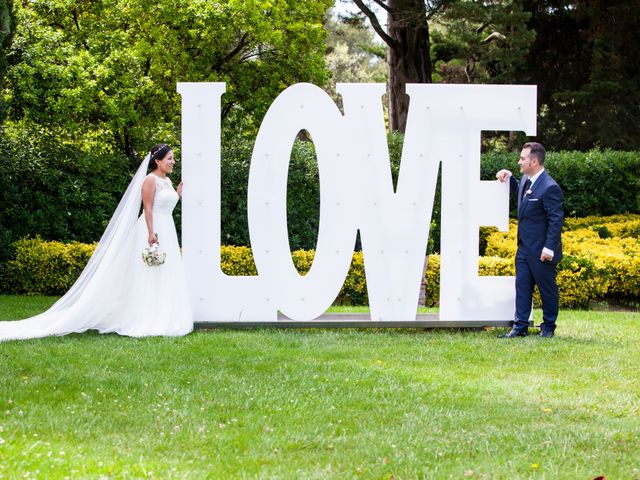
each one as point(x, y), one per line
point(602, 259)
point(63, 194)
point(60, 193)
point(578, 279)
point(42, 267)
point(303, 195)
point(580, 174)
point(57, 192)
point(238, 261)
point(45, 267)
point(598, 182)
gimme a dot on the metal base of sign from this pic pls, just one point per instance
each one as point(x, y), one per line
point(360, 320)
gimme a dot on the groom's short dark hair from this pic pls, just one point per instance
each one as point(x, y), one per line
point(536, 150)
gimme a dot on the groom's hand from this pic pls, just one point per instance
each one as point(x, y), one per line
point(545, 257)
point(503, 175)
point(179, 189)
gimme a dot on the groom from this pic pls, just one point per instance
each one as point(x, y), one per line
point(540, 218)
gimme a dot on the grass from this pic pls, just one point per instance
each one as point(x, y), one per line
point(305, 404)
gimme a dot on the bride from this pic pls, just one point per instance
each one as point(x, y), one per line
point(118, 292)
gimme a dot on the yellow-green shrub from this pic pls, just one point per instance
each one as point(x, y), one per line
point(624, 276)
point(579, 281)
point(354, 290)
point(43, 267)
point(503, 244)
point(302, 260)
point(615, 258)
point(593, 266)
point(432, 293)
point(597, 231)
point(602, 257)
point(495, 267)
point(238, 261)
point(609, 227)
point(594, 221)
point(487, 266)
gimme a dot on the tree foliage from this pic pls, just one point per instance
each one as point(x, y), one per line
point(6, 33)
point(448, 41)
point(352, 54)
point(480, 42)
point(585, 63)
point(102, 75)
point(581, 54)
point(408, 48)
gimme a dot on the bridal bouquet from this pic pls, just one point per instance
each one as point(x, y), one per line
point(152, 256)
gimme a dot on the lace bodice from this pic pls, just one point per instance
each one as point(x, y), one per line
point(166, 197)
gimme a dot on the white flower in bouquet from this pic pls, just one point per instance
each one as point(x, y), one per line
point(152, 256)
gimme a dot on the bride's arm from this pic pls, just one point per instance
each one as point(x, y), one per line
point(148, 194)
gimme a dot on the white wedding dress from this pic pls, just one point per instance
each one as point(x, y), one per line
point(117, 292)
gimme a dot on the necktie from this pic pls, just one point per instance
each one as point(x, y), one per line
point(527, 184)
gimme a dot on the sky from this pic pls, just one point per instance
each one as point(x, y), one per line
point(347, 7)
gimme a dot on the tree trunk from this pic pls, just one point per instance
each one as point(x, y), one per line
point(408, 57)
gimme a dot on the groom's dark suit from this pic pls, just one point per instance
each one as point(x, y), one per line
point(540, 218)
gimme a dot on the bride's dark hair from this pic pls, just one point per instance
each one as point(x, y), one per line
point(158, 152)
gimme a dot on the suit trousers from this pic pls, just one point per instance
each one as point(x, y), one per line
point(530, 271)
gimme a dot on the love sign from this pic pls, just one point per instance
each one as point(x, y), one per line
point(444, 128)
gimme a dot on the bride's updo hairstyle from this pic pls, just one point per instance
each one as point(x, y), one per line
point(158, 152)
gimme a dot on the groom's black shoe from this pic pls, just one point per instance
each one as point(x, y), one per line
point(546, 333)
point(514, 333)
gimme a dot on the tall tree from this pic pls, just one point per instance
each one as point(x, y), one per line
point(102, 75)
point(408, 52)
point(481, 42)
point(584, 61)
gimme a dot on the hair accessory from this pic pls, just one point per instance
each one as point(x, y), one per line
point(160, 152)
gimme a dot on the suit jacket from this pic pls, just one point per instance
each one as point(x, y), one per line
point(540, 216)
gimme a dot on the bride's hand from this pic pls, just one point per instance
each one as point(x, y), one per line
point(179, 189)
point(152, 239)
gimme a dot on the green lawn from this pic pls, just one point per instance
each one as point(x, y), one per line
point(305, 404)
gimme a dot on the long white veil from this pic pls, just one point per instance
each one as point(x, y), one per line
point(92, 302)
